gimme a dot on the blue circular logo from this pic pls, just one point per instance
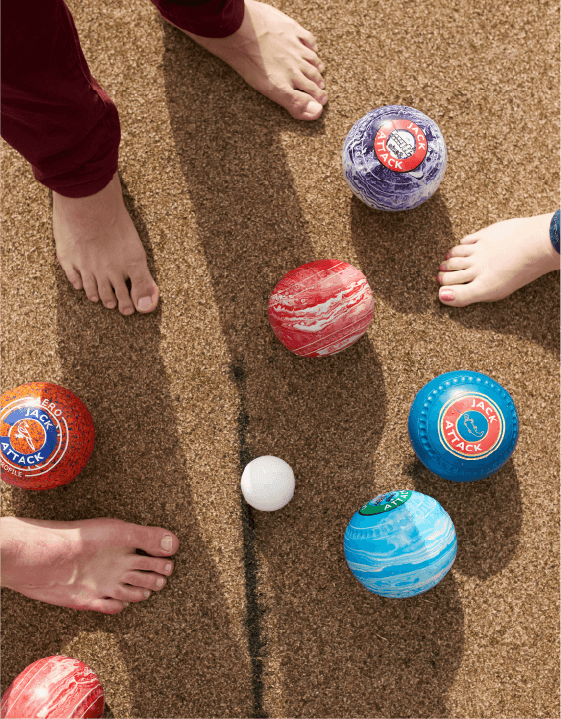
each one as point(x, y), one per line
point(31, 436)
point(472, 426)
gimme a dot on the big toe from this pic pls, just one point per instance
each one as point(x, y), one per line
point(144, 291)
point(460, 295)
point(304, 107)
point(155, 541)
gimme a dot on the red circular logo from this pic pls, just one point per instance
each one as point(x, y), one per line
point(400, 145)
point(471, 426)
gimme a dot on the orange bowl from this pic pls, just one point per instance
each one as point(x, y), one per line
point(46, 435)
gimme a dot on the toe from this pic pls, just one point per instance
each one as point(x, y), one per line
point(155, 541)
point(126, 306)
point(310, 87)
point(144, 291)
point(146, 580)
point(460, 251)
point(314, 60)
point(128, 593)
point(318, 63)
point(455, 263)
point(107, 606)
point(307, 39)
point(301, 106)
point(106, 294)
point(313, 74)
point(151, 564)
point(455, 278)
point(459, 295)
point(311, 111)
point(90, 286)
point(447, 295)
point(72, 275)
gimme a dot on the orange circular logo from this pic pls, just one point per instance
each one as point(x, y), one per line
point(27, 436)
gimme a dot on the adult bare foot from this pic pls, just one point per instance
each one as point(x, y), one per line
point(88, 564)
point(277, 57)
point(494, 262)
point(99, 249)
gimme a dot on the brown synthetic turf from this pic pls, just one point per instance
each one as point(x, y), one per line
point(262, 616)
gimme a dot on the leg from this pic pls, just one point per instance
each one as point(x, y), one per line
point(57, 116)
point(272, 52)
point(492, 263)
point(89, 564)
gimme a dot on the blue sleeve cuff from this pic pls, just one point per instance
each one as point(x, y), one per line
point(554, 230)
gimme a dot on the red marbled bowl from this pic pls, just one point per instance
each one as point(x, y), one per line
point(54, 687)
point(46, 436)
point(321, 308)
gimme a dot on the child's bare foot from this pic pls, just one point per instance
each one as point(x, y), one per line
point(494, 262)
point(99, 249)
point(275, 56)
point(89, 564)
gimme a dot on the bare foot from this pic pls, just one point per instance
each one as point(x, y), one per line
point(99, 249)
point(89, 564)
point(494, 262)
point(275, 56)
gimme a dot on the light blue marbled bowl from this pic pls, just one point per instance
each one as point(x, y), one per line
point(400, 544)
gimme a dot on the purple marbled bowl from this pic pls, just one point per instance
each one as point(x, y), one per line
point(394, 158)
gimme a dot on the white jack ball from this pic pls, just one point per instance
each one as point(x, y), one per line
point(268, 483)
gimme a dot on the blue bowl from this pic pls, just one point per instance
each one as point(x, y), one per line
point(463, 426)
point(400, 544)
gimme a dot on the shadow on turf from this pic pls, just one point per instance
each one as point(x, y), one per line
point(531, 312)
point(175, 644)
point(325, 417)
point(487, 516)
point(400, 252)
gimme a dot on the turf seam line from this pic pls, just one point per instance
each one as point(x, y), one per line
point(255, 640)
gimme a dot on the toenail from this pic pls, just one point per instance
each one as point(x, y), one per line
point(110, 305)
point(146, 594)
point(159, 582)
point(93, 298)
point(166, 543)
point(126, 604)
point(145, 303)
point(447, 296)
point(168, 568)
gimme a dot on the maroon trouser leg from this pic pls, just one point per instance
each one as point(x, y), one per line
point(54, 113)
point(214, 18)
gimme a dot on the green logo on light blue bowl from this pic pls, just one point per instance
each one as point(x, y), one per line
point(385, 502)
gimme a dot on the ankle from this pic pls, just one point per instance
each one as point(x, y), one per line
point(10, 550)
point(31, 546)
